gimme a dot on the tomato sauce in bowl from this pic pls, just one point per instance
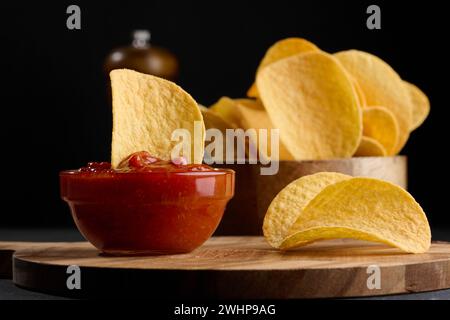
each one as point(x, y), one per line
point(146, 205)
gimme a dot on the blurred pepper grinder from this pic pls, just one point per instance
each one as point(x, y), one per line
point(143, 57)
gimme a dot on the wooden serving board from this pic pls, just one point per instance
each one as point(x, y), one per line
point(233, 267)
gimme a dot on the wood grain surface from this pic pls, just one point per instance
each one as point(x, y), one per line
point(235, 267)
point(254, 192)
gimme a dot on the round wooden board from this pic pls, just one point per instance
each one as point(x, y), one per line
point(235, 267)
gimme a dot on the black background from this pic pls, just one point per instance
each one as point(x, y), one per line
point(54, 108)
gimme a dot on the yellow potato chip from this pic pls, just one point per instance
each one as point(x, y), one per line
point(382, 86)
point(369, 147)
point(311, 98)
point(286, 48)
point(380, 124)
point(252, 92)
point(214, 120)
point(226, 108)
point(249, 114)
point(364, 209)
point(289, 203)
point(146, 111)
point(359, 93)
point(251, 103)
point(420, 105)
point(280, 50)
point(253, 117)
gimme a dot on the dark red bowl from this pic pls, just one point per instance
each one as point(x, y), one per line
point(125, 213)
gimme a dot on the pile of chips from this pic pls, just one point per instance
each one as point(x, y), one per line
point(326, 106)
point(340, 105)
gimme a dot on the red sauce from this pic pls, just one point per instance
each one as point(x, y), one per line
point(144, 162)
point(147, 205)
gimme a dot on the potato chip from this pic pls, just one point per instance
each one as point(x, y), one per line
point(250, 103)
point(365, 209)
point(420, 105)
point(249, 114)
point(289, 203)
point(382, 86)
point(286, 48)
point(359, 93)
point(254, 117)
point(226, 108)
point(214, 120)
point(146, 111)
point(380, 124)
point(369, 147)
point(252, 92)
point(311, 98)
point(280, 50)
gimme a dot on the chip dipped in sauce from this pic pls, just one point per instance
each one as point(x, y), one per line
point(148, 201)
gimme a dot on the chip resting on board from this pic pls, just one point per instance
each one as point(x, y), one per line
point(420, 105)
point(368, 209)
point(369, 147)
point(364, 209)
point(311, 98)
point(380, 124)
point(146, 111)
point(382, 86)
point(289, 203)
point(280, 50)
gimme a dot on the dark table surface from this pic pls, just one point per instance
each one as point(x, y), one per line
point(8, 291)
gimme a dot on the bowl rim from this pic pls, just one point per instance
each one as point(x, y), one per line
point(214, 172)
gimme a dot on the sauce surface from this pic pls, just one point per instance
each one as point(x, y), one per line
point(144, 162)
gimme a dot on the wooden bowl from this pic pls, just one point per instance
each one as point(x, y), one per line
point(254, 192)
